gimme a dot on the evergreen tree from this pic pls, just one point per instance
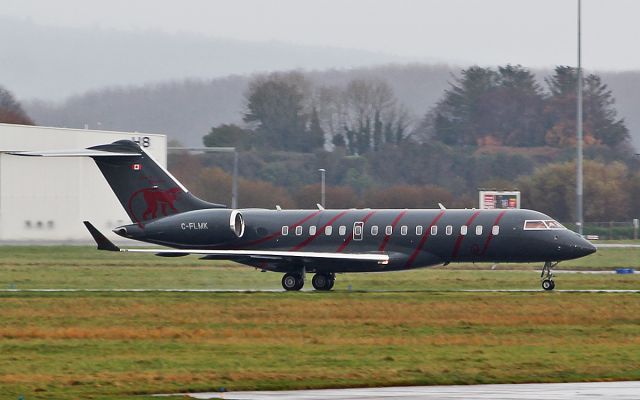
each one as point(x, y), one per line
point(315, 134)
point(600, 124)
point(377, 132)
point(230, 135)
point(276, 104)
point(464, 113)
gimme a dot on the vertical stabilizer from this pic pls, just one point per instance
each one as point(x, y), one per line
point(145, 189)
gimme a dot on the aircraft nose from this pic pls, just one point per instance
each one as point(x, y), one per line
point(588, 248)
point(583, 248)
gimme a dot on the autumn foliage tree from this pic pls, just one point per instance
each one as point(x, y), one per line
point(551, 189)
point(11, 111)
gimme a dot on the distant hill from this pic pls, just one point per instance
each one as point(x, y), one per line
point(52, 63)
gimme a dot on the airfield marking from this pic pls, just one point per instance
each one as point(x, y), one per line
point(134, 290)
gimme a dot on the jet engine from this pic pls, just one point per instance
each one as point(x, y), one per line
point(199, 227)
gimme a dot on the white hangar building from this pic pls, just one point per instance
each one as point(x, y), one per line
point(46, 199)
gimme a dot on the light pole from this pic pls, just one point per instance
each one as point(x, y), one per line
point(579, 183)
point(234, 180)
point(322, 193)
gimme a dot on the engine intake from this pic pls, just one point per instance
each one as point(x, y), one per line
point(236, 223)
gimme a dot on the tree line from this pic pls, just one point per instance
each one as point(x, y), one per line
point(508, 107)
point(498, 128)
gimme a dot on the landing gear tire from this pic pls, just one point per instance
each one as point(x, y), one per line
point(323, 281)
point(547, 276)
point(292, 281)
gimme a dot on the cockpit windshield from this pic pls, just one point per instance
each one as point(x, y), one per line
point(538, 224)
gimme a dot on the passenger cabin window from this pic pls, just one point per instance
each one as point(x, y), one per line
point(463, 230)
point(434, 230)
point(479, 230)
point(285, 230)
point(342, 230)
point(495, 230)
point(298, 230)
point(328, 230)
point(388, 230)
point(374, 230)
point(403, 230)
point(419, 230)
point(538, 225)
point(448, 230)
point(312, 230)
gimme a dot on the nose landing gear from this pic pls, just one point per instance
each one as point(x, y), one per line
point(547, 276)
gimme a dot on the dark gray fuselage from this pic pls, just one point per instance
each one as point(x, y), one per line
point(439, 240)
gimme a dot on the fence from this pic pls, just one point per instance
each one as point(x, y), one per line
point(612, 230)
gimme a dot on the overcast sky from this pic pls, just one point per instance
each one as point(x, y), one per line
point(535, 33)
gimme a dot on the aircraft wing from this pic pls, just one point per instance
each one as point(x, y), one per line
point(105, 244)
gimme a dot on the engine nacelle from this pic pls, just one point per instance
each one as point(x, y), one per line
point(200, 228)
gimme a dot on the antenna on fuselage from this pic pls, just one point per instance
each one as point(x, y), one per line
point(320, 206)
point(441, 206)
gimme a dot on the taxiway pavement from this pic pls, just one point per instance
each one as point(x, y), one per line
point(531, 391)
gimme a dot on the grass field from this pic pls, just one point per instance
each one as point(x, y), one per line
point(123, 345)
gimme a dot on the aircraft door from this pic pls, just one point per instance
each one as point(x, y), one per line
point(358, 228)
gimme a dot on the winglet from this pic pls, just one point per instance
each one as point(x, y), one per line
point(101, 240)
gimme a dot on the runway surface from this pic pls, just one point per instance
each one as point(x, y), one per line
point(63, 290)
point(534, 391)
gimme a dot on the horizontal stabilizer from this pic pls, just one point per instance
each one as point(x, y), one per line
point(101, 240)
point(73, 153)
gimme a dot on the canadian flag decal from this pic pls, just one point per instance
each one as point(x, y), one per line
point(136, 167)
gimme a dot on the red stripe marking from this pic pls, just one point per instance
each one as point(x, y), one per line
point(318, 232)
point(350, 237)
point(490, 237)
point(279, 233)
point(456, 248)
point(424, 238)
point(393, 227)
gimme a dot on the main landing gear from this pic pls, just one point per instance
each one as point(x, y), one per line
point(320, 281)
point(323, 281)
point(293, 281)
point(547, 276)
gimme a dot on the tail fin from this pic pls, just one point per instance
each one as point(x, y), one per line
point(145, 189)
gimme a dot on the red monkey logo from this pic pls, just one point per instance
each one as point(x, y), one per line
point(155, 197)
